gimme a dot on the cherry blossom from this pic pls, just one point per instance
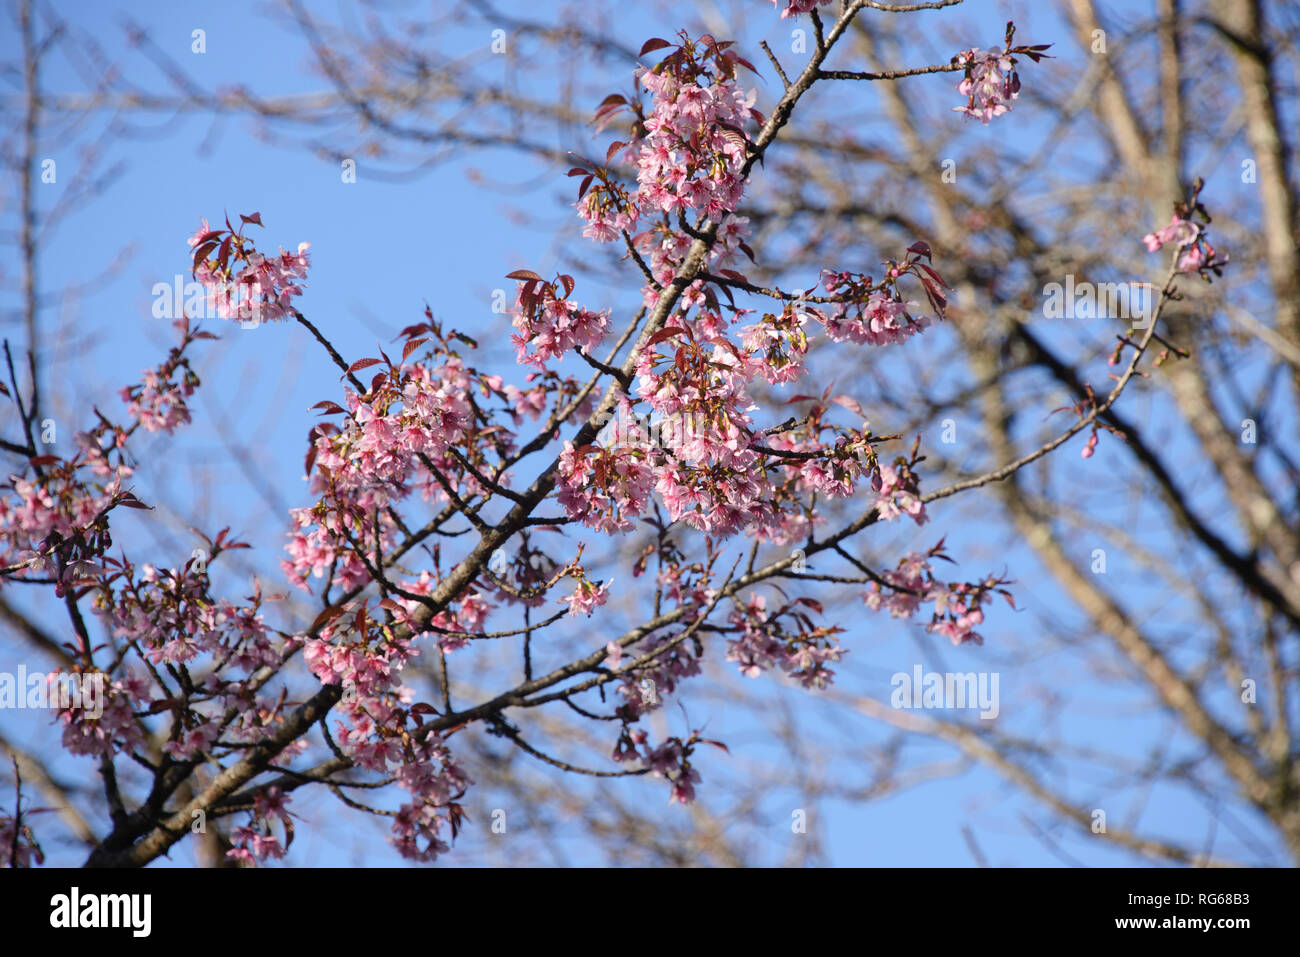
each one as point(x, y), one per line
point(422, 447)
point(794, 8)
point(990, 80)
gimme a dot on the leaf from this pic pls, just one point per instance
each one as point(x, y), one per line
point(331, 408)
point(812, 603)
point(614, 147)
point(411, 346)
point(362, 364)
point(577, 171)
point(524, 274)
point(202, 250)
point(255, 219)
point(654, 43)
point(666, 333)
point(849, 403)
point(326, 616)
point(934, 275)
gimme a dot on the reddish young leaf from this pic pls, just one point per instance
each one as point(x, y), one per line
point(654, 43)
point(362, 364)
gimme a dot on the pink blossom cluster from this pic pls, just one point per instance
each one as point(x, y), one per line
point(257, 840)
point(243, 283)
point(525, 402)
point(392, 434)
point(549, 323)
point(112, 728)
point(899, 493)
point(169, 618)
point(665, 248)
point(644, 688)
point(689, 155)
point(374, 734)
point(608, 210)
point(168, 615)
point(558, 326)
point(956, 611)
point(157, 402)
point(869, 316)
point(54, 513)
point(670, 761)
point(830, 470)
point(990, 83)
point(763, 643)
point(695, 146)
point(779, 344)
point(605, 489)
point(39, 513)
point(1195, 254)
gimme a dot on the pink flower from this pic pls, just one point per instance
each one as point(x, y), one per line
point(1180, 231)
point(795, 7)
point(613, 655)
point(586, 598)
